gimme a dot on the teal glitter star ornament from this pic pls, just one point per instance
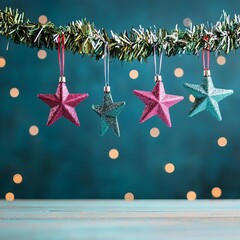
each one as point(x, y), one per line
point(207, 96)
point(109, 112)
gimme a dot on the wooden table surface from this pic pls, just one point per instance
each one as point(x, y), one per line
point(118, 219)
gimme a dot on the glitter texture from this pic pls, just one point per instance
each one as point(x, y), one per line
point(157, 103)
point(108, 113)
point(62, 104)
point(207, 97)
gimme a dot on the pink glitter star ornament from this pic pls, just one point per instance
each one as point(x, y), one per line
point(157, 103)
point(62, 104)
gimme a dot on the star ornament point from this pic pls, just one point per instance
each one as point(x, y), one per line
point(62, 104)
point(109, 112)
point(157, 103)
point(207, 97)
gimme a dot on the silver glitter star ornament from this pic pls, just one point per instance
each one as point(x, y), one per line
point(109, 112)
point(207, 96)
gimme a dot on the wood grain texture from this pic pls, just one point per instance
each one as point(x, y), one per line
point(118, 219)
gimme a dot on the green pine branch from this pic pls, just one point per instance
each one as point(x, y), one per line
point(82, 37)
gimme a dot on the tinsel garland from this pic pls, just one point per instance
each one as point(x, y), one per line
point(84, 38)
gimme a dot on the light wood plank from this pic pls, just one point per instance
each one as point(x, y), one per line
point(118, 219)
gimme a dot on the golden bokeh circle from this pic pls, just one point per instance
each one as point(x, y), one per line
point(154, 132)
point(191, 98)
point(133, 74)
point(42, 54)
point(14, 92)
point(216, 192)
point(191, 196)
point(17, 178)
point(222, 142)
point(2, 62)
point(221, 60)
point(9, 196)
point(129, 196)
point(113, 153)
point(169, 168)
point(33, 130)
point(42, 19)
point(178, 72)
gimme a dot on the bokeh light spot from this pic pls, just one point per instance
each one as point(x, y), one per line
point(221, 60)
point(113, 153)
point(187, 22)
point(17, 178)
point(14, 92)
point(191, 196)
point(222, 141)
point(178, 72)
point(42, 19)
point(133, 74)
point(191, 98)
point(169, 168)
point(2, 62)
point(33, 130)
point(129, 196)
point(154, 132)
point(42, 54)
point(9, 196)
point(216, 192)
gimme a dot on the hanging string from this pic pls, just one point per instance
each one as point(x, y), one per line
point(206, 57)
point(61, 59)
point(155, 61)
point(106, 64)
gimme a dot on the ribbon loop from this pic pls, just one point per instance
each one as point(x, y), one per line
point(157, 72)
point(61, 59)
point(106, 64)
point(206, 56)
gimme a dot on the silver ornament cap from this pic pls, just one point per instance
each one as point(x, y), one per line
point(62, 79)
point(106, 89)
point(206, 73)
point(158, 78)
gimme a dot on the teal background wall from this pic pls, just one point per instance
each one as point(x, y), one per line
point(64, 161)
